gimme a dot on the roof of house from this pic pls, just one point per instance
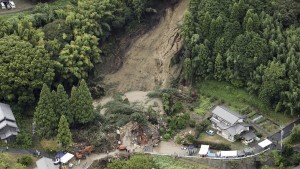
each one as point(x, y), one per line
point(6, 113)
point(8, 123)
point(7, 132)
point(45, 163)
point(204, 150)
point(227, 114)
point(236, 129)
point(248, 135)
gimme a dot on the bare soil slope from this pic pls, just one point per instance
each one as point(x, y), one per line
point(147, 59)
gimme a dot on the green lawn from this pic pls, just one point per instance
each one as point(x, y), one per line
point(239, 99)
point(204, 106)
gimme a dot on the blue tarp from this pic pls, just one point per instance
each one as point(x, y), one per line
point(191, 147)
point(59, 155)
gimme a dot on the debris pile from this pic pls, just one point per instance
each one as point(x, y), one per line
point(135, 136)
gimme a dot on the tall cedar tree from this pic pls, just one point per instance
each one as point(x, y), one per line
point(63, 104)
point(64, 135)
point(45, 118)
point(82, 104)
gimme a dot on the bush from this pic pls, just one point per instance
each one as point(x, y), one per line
point(201, 127)
point(295, 135)
point(26, 160)
point(213, 99)
point(179, 122)
point(178, 140)
point(259, 135)
point(190, 139)
point(192, 123)
point(24, 139)
point(166, 136)
point(178, 107)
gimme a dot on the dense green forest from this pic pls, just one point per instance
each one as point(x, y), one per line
point(59, 43)
point(252, 44)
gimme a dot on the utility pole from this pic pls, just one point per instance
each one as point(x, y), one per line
point(281, 135)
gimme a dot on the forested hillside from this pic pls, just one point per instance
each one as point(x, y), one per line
point(252, 44)
point(59, 43)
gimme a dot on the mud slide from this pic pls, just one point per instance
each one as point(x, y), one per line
point(147, 59)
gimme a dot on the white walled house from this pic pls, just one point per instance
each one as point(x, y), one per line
point(8, 125)
point(228, 123)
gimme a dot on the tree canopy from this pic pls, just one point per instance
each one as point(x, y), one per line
point(251, 44)
point(64, 135)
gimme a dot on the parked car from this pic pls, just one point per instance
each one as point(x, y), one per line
point(248, 141)
point(56, 162)
point(2, 6)
point(210, 132)
point(12, 4)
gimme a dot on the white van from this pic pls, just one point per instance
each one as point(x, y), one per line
point(2, 6)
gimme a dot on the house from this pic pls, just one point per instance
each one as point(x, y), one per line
point(45, 163)
point(8, 125)
point(228, 123)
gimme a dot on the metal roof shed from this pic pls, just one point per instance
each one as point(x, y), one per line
point(66, 158)
point(265, 143)
point(204, 150)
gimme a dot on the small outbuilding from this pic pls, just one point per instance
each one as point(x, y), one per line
point(265, 144)
point(204, 150)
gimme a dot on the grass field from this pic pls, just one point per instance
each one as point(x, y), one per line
point(218, 139)
point(204, 106)
point(239, 99)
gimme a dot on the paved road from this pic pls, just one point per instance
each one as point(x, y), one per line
point(275, 138)
point(22, 151)
point(286, 131)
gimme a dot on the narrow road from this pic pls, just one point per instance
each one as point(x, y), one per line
point(22, 151)
point(286, 131)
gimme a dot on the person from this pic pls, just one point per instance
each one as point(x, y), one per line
point(6, 148)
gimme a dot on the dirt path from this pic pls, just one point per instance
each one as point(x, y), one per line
point(147, 59)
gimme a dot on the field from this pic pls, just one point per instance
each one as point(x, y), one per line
point(166, 162)
point(240, 100)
